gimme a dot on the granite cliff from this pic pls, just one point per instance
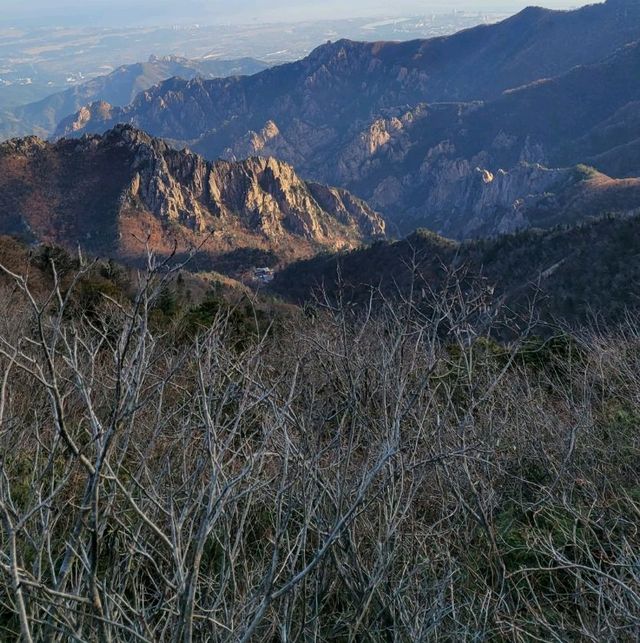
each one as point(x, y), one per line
point(111, 193)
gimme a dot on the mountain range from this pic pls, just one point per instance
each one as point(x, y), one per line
point(451, 133)
point(118, 193)
point(117, 88)
point(524, 133)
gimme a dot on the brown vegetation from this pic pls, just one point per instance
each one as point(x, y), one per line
point(380, 475)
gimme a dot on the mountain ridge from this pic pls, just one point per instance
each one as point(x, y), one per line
point(117, 88)
point(566, 274)
point(448, 68)
point(410, 126)
point(114, 192)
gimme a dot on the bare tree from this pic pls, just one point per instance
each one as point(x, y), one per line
point(386, 472)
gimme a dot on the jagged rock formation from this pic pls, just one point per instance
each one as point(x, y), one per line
point(426, 167)
point(405, 125)
point(113, 192)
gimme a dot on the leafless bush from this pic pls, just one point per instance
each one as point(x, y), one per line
point(386, 474)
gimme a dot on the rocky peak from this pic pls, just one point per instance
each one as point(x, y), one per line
point(78, 122)
point(270, 196)
point(332, 50)
point(127, 180)
point(254, 143)
point(27, 146)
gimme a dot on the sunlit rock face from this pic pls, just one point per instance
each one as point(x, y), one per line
point(110, 192)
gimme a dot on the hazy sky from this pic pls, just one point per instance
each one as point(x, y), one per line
point(134, 12)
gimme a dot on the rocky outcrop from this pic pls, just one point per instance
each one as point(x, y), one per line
point(268, 194)
point(470, 200)
point(386, 140)
point(139, 184)
point(349, 210)
point(294, 144)
point(96, 110)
